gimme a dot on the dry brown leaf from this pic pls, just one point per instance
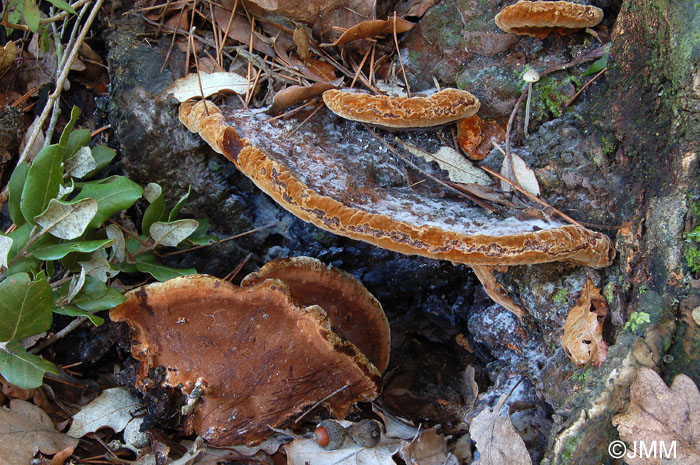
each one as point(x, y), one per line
point(430, 448)
point(301, 40)
point(373, 27)
point(469, 135)
point(658, 414)
point(520, 174)
point(8, 53)
point(495, 290)
point(26, 429)
point(239, 30)
point(294, 95)
point(62, 456)
point(341, 16)
point(416, 8)
point(583, 331)
point(496, 439)
point(112, 409)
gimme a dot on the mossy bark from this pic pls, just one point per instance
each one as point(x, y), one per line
point(652, 109)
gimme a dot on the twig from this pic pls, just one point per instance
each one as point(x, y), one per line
point(56, 93)
point(529, 195)
point(230, 276)
point(72, 326)
point(398, 55)
point(305, 120)
point(252, 231)
point(359, 67)
point(584, 87)
point(393, 150)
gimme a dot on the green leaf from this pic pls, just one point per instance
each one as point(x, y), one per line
point(176, 209)
point(67, 220)
point(63, 6)
point(76, 140)
point(74, 311)
point(32, 15)
point(147, 264)
point(25, 307)
point(74, 115)
point(597, 66)
point(43, 180)
point(14, 7)
point(156, 210)
point(110, 299)
point(15, 186)
point(172, 233)
point(112, 197)
point(98, 266)
point(199, 236)
point(58, 251)
point(103, 156)
point(22, 369)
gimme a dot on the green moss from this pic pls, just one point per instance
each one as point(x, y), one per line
point(570, 446)
point(692, 259)
point(636, 320)
point(608, 144)
point(609, 292)
point(561, 296)
point(550, 97)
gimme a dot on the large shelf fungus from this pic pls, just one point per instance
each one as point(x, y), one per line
point(541, 18)
point(261, 355)
point(329, 177)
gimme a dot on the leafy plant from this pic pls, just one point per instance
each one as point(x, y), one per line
point(637, 319)
point(28, 11)
point(64, 249)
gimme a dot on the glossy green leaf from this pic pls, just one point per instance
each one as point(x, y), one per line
point(112, 197)
point(176, 209)
point(15, 186)
point(156, 210)
point(25, 307)
point(63, 6)
point(597, 66)
point(110, 299)
point(147, 264)
point(103, 156)
point(58, 251)
point(199, 236)
point(77, 139)
point(22, 369)
point(14, 8)
point(32, 15)
point(74, 115)
point(43, 180)
point(70, 310)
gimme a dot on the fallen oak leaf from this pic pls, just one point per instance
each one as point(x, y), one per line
point(211, 83)
point(430, 448)
point(370, 28)
point(293, 95)
point(112, 409)
point(26, 429)
point(583, 330)
point(658, 415)
point(520, 174)
point(458, 168)
point(496, 438)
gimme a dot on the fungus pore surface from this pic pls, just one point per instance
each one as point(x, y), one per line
point(346, 182)
point(540, 18)
point(262, 357)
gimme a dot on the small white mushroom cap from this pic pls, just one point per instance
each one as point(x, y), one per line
point(531, 75)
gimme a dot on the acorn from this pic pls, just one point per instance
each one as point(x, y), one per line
point(330, 435)
point(366, 433)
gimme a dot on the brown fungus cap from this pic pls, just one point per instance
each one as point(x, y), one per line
point(330, 178)
point(540, 18)
point(402, 112)
point(355, 315)
point(262, 357)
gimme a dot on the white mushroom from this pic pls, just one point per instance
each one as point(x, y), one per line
point(530, 76)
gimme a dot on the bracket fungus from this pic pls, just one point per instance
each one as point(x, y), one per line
point(437, 109)
point(325, 176)
point(261, 355)
point(354, 314)
point(540, 18)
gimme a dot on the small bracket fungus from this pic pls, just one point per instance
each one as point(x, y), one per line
point(440, 108)
point(355, 315)
point(530, 76)
point(540, 18)
point(262, 356)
